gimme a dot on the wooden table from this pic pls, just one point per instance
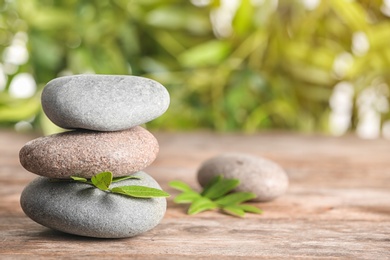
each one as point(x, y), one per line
point(337, 205)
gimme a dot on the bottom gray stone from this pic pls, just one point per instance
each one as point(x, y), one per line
point(81, 209)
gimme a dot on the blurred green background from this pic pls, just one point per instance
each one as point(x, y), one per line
point(234, 65)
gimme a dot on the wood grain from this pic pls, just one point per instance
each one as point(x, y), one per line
point(337, 205)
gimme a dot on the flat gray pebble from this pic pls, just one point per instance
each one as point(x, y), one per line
point(86, 153)
point(81, 209)
point(103, 102)
point(260, 176)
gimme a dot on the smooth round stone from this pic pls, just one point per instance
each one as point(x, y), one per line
point(82, 209)
point(260, 176)
point(103, 102)
point(85, 153)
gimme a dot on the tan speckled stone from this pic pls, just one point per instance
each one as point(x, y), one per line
point(85, 153)
point(258, 175)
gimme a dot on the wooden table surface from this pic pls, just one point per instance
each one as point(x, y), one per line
point(337, 205)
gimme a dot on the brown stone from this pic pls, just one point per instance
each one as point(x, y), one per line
point(85, 153)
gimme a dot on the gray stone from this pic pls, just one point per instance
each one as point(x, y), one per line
point(103, 102)
point(258, 175)
point(85, 153)
point(81, 209)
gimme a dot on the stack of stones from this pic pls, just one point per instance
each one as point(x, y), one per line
point(105, 112)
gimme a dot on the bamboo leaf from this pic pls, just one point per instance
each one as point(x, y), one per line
point(213, 197)
point(234, 210)
point(221, 188)
point(80, 179)
point(139, 191)
point(179, 185)
point(235, 198)
point(211, 183)
point(187, 197)
point(352, 13)
point(118, 179)
point(200, 205)
point(208, 53)
point(250, 208)
point(242, 22)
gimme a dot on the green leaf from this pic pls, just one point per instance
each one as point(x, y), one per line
point(80, 179)
point(235, 198)
point(221, 187)
point(208, 53)
point(26, 109)
point(234, 210)
point(353, 14)
point(118, 179)
point(211, 183)
point(102, 180)
point(139, 191)
point(200, 205)
point(187, 197)
point(250, 208)
point(242, 22)
point(213, 197)
point(181, 186)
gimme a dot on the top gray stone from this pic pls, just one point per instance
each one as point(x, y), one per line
point(103, 102)
point(258, 175)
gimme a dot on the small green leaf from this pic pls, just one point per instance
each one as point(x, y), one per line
point(200, 205)
point(211, 183)
point(80, 179)
point(179, 185)
point(235, 198)
point(234, 210)
point(139, 191)
point(102, 180)
point(187, 197)
point(118, 179)
point(250, 208)
point(221, 187)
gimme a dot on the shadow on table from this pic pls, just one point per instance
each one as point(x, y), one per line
point(55, 235)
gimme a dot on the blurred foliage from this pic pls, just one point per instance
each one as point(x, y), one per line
point(275, 70)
